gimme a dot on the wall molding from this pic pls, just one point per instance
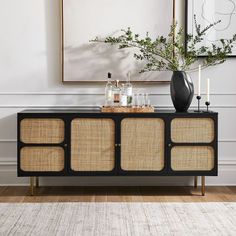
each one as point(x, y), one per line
point(89, 94)
point(48, 93)
point(8, 161)
point(226, 177)
point(227, 140)
point(230, 161)
point(8, 140)
point(85, 107)
point(95, 107)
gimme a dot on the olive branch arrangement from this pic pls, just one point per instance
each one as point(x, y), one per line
point(171, 53)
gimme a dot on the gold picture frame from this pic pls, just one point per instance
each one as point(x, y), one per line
point(68, 81)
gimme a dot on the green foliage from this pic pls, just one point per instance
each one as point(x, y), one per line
point(171, 53)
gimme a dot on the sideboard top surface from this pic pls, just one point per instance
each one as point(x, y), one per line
point(97, 111)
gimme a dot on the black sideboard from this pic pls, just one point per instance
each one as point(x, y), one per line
point(91, 143)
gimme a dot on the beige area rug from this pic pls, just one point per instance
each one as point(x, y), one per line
point(102, 219)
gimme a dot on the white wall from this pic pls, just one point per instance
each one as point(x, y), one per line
point(30, 78)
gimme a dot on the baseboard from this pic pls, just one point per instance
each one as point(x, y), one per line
point(226, 177)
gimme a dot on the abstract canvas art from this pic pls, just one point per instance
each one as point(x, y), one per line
point(84, 20)
point(210, 11)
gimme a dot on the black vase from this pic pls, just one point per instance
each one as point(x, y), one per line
point(181, 90)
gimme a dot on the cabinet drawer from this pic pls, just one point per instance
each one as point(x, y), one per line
point(92, 144)
point(192, 158)
point(192, 130)
point(42, 131)
point(142, 144)
point(38, 159)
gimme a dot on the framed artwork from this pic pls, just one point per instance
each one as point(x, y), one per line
point(210, 11)
point(84, 20)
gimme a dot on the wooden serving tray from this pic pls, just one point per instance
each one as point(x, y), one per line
point(127, 109)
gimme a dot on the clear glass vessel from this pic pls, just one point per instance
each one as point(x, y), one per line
point(109, 91)
point(116, 94)
point(129, 90)
point(123, 96)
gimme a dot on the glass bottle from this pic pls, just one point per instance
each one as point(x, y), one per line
point(129, 90)
point(109, 91)
point(116, 94)
point(123, 96)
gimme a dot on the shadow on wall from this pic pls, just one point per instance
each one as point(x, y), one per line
point(8, 124)
point(90, 61)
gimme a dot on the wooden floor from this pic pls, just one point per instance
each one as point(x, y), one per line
point(118, 194)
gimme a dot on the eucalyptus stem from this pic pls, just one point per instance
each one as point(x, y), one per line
point(158, 54)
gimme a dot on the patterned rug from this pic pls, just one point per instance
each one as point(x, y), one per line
point(113, 219)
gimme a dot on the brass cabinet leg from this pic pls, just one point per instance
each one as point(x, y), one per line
point(32, 186)
point(37, 182)
point(203, 186)
point(195, 181)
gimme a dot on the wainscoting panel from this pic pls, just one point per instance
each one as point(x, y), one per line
point(227, 176)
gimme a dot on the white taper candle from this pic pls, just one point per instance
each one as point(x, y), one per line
point(208, 90)
point(199, 80)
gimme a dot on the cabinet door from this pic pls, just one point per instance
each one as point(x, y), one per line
point(192, 130)
point(92, 144)
point(41, 159)
point(186, 154)
point(192, 158)
point(142, 144)
point(42, 131)
point(40, 150)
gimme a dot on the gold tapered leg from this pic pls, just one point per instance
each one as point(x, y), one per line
point(203, 186)
point(32, 186)
point(37, 182)
point(195, 181)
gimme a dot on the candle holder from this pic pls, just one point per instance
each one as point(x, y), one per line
point(198, 102)
point(207, 104)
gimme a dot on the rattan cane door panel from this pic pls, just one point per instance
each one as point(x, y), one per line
point(40, 159)
point(92, 144)
point(192, 130)
point(142, 144)
point(192, 158)
point(42, 131)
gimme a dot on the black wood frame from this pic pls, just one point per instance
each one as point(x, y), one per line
point(68, 115)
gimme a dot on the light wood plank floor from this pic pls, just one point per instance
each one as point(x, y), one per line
point(118, 194)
